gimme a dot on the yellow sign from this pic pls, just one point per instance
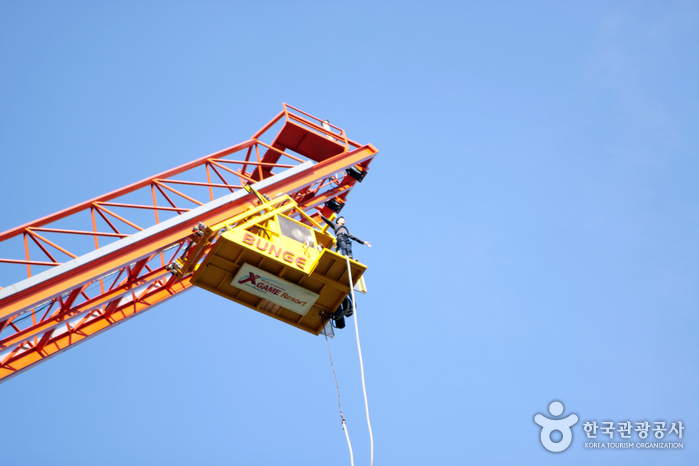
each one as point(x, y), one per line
point(277, 251)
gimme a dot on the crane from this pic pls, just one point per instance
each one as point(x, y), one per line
point(78, 272)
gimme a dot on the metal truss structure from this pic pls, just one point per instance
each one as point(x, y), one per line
point(104, 261)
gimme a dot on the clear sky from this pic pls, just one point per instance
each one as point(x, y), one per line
point(533, 212)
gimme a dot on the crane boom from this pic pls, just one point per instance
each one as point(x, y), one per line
point(107, 261)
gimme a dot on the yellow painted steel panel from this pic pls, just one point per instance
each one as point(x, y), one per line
point(273, 250)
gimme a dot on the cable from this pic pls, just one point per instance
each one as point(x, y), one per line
point(344, 427)
point(339, 403)
point(361, 363)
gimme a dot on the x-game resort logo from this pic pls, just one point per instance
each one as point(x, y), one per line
point(274, 289)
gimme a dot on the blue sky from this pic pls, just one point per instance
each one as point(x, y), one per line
point(533, 212)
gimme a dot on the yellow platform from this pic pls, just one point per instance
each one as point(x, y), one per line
point(279, 267)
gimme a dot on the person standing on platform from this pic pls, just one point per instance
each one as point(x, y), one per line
point(343, 236)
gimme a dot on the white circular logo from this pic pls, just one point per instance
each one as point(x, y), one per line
point(549, 426)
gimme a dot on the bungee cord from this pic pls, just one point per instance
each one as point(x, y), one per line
point(361, 363)
point(339, 403)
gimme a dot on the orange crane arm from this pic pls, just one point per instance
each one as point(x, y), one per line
point(88, 288)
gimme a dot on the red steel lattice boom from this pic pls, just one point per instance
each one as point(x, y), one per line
point(104, 261)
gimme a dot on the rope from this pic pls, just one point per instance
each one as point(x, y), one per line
point(339, 403)
point(361, 363)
